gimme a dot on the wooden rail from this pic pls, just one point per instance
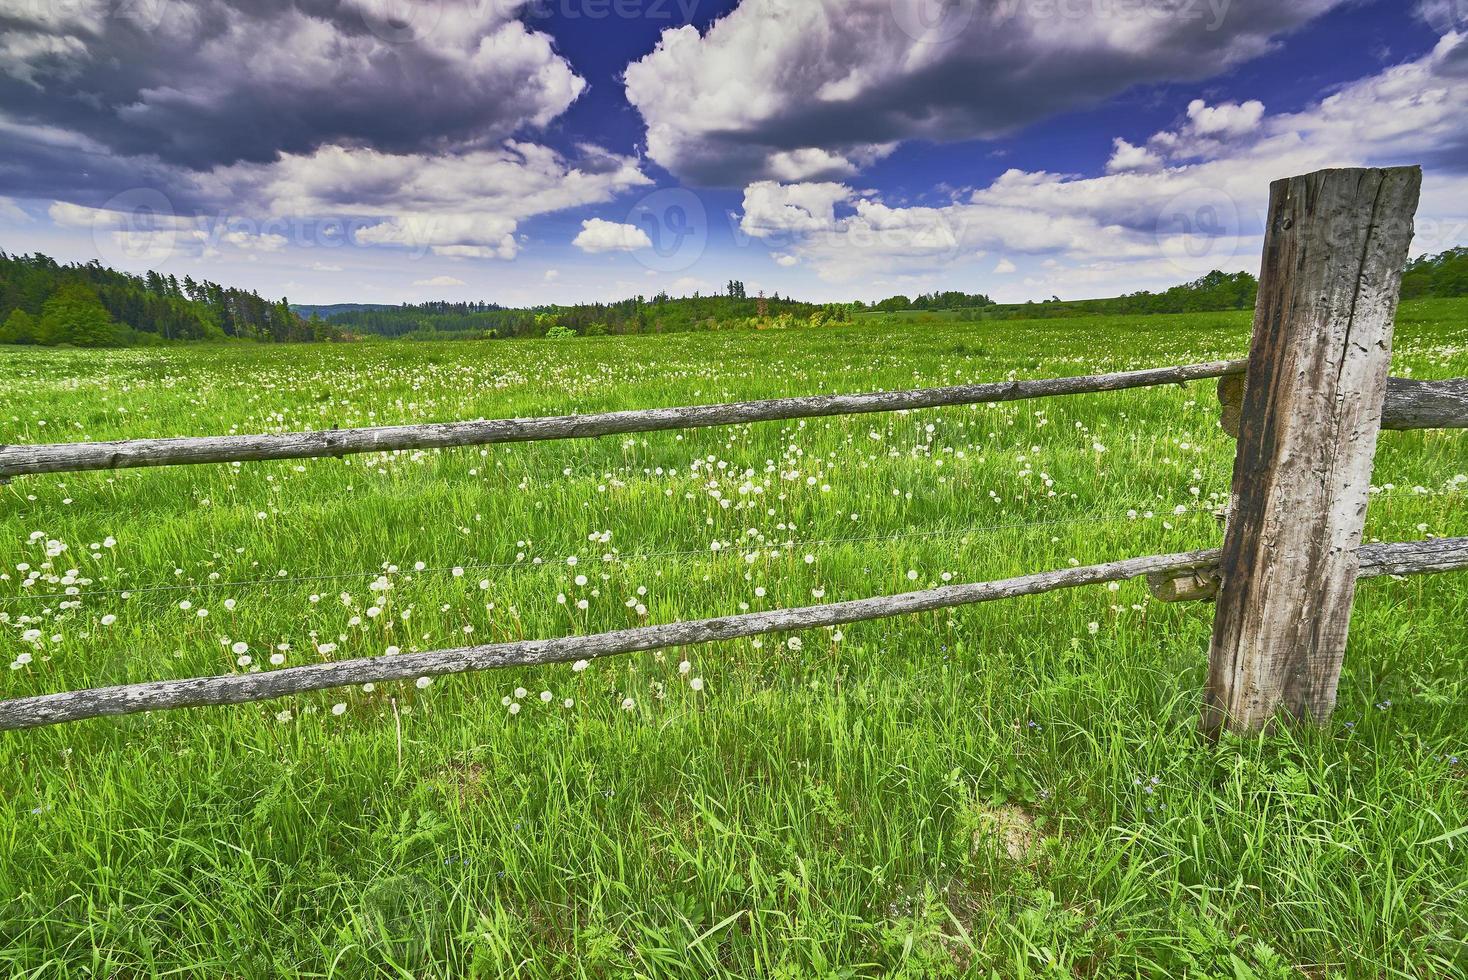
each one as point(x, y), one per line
point(1409, 404)
point(81, 456)
point(48, 709)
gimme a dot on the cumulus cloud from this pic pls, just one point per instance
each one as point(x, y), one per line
point(465, 205)
point(1206, 131)
point(1126, 158)
point(440, 281)
point(1227, 121)
point(811, 91)
point(203, 83)
point(402, 123)
point(772, 208)
point(1152, 221)
point(610, 236)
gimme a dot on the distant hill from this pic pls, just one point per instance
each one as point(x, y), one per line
point(328, 310)
point(638, 314)
point(1215, 291)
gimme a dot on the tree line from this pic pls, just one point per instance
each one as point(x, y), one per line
point(1213, 292)
point(45, 302)
point(947, 300)
point(1445, 274)
point(635, 315)
point(88, 305)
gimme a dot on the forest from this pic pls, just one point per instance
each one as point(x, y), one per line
point(1214, 292)
point(1443, 275)
point(47, 303)
point(44, 302)
point(636, 315)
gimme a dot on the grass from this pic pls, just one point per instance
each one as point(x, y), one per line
point(1010, 790)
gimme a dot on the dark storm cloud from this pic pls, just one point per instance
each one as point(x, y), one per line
point(204, 83)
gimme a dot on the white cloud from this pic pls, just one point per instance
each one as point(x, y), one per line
point(69, 215)
point(397, 117)
point(1126, 158)
point(610, 236)
point(772, 208)
point(808, 163)
point(1005, 267)
point(325, 267)
point(12, 212)
point(1444, 15)
point(264, 242)
point(1207, 131)
point(1136, 228)
point(456, 235)
point(551, 275)
point(818, 89)
point(463, 206)
point(1228, 120)
point(440, 281)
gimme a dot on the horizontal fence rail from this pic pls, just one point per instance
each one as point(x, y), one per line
point(1413, 558)
point(131, 453)
point(1409, 404)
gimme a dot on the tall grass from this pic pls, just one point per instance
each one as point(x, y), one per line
point(1009, 790)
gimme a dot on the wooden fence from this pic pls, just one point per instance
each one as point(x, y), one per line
point(1306, 408)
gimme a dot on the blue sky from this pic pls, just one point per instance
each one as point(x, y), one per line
point(567, 150)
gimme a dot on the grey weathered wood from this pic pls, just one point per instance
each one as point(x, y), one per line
point(1336, 243)
point(1395, 559)
point(1187, 587)
point(232, 689)
point(1414, 557)
point(80, 456)
point(1411, 558)
point(1409, 404)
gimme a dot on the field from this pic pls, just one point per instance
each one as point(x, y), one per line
point(1008, 790)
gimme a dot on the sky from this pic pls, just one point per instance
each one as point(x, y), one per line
point(554, 151)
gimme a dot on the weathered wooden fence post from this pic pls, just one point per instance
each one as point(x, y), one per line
point(1335, 246)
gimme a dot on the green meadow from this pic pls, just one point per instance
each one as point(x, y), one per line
point(1007, 790)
